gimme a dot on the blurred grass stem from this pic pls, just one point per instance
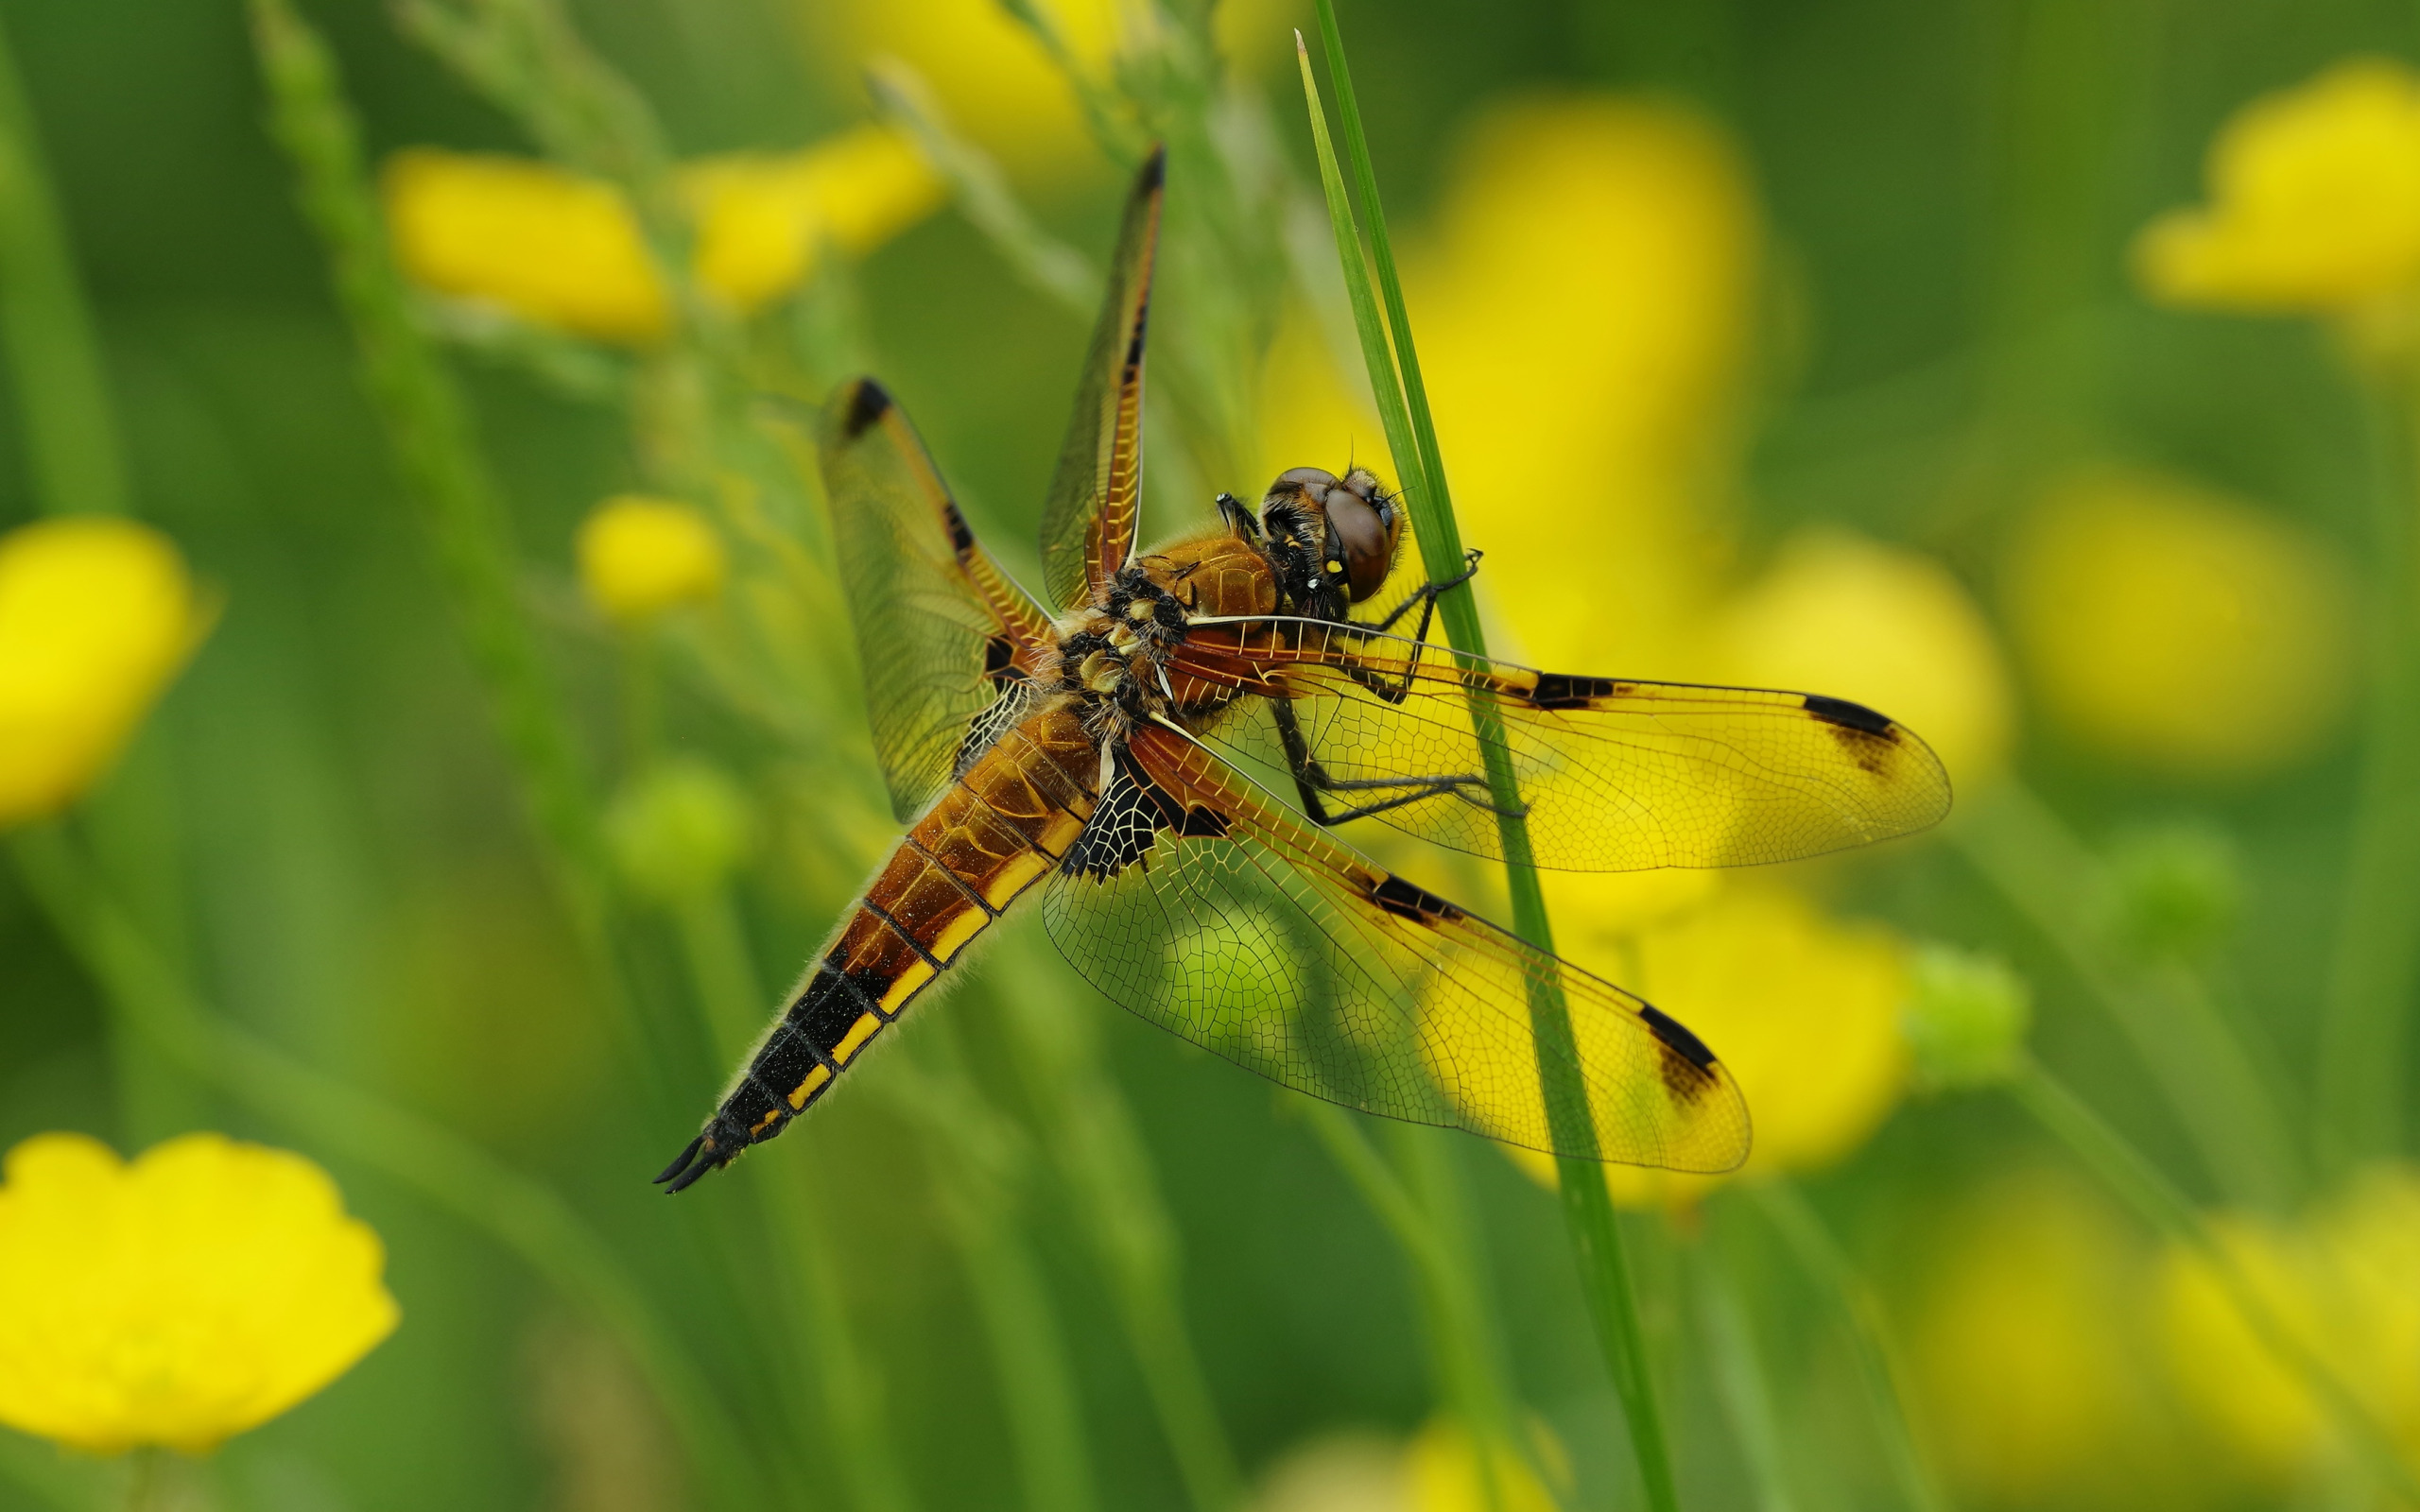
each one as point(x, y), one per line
point(454, 1174)
point(2142, 1186)
point(1090, 1132)
point(731, 1002)
point(1411, 438)
point(2363, 1038)
point(2198, 1062)
point(982, 1168)
point(1465, 1359)
point(55, 366)
point(1868, 1327)
point(447, 483)
point(1741, 1382)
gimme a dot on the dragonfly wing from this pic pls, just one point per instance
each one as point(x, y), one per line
point(1614, 774)
point(1200, 904)
point(1088, 521)
point(948, 643)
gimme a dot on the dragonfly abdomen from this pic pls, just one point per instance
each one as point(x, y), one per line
point(990, 835)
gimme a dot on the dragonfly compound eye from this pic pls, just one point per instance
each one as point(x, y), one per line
point(1359, 538)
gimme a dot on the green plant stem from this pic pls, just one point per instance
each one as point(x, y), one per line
point(981, 1167)
point(447, 484)
point(2142, 1187)
point(47, 329)
point(1740, 1380)
point(1092, 1138)
point(1412, 435)
point(2199, 1064)
point(1466, 1373)
point(525, 1217)
point(2362, 1035)
point(731, 1004)
point(1879, 1368)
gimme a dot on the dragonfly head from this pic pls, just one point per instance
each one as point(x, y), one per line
point(1332, 539)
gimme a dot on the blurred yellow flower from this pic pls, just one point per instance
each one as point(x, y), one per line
point(641, 556)
point(1583, 311)
point(1437, 1471)
point(2345, 1284)
point(2180, 628)
point(1441, 1462)
point(2030, 1375)
point(97, 614)
point(566, 251)
point(178, 1300)
point(1804, 1008)
point(998, 84)
point(2315, 201)
point(550, 247)
point(1885, 625)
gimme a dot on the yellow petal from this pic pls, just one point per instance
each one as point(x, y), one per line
point(178, 1300)
point(2315, 201)
point(548, 246)
point(761, 217)
point(97, 614)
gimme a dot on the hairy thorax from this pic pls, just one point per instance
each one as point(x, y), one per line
point(1114, 655)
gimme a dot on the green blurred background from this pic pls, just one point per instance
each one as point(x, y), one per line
point(1935, 360)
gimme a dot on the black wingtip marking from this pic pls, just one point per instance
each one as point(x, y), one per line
point(686, 1167)
point(867, 404)
point(1846, 714)
point(1155, 169)
point(1677, 1037)
point(962, 539)
point(1407, 899)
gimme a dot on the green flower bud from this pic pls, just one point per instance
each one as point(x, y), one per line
point(2177, 890)
point(677, 829)
point(1966, 1017)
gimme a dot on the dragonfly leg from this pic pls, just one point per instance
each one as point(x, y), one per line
point(1311, 782)
point(1426, 598)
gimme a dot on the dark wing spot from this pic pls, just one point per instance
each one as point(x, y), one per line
point(1155, 169)
point(869, 404)
point(1685, 1062)
point(1407, 899)
point(961, 539)
point(1556, 690)
point(1676, 1033)
point(1847, 715)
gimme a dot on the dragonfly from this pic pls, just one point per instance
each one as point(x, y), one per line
point(1164, 750)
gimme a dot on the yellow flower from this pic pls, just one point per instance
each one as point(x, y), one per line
point(639, 557)
point(566, 251)
point(2180, 628)
point(997, 83)
point(763, 216)
point(1885, 625)
point(97, 614)
point(178, 1300)
point(2029, 1374)
point(2315, 200)
point(2345, 1284)
point(1442, 1464)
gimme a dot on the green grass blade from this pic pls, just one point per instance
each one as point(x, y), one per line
point(46, 334)
point(1588, 1210)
